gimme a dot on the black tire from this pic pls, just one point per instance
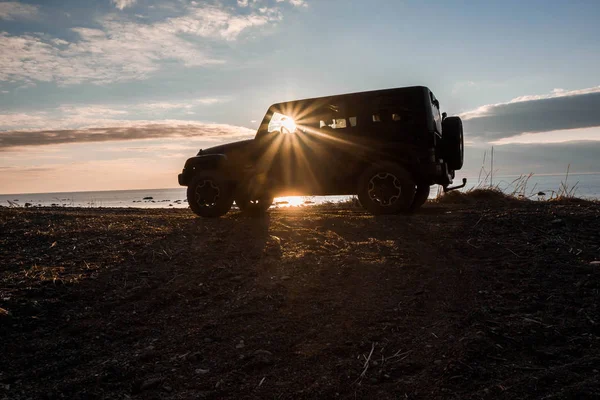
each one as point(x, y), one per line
point(252, 196)
point(421, 196)
point(253, 207)
point(209, 195)
point(386, 188)
point(453, 142)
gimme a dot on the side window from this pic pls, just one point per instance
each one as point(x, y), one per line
point(335, 123)
point(339, 123)
point(352, 121)
point(376, 117)
point(396, 117)
point(281, 123)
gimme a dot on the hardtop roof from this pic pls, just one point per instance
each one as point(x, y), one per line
point(369, 93)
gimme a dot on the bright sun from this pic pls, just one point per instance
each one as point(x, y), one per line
point(289, 124)
point(292, 201)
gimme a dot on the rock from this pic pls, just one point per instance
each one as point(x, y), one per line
point(194, 357)
point(240, 345)
point(285, 278)
point(150, 383)
point(201, 371)
point(263, 353)
point(556, 221)
point(148, 198)
point(168, 389)
point(437, 362)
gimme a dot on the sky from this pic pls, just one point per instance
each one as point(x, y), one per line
point(117, 94)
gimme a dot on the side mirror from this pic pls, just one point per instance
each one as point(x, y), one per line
point(444, 115)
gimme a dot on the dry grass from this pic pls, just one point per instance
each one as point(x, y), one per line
point(519, 188)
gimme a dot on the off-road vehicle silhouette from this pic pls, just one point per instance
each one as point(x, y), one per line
point(386, 146)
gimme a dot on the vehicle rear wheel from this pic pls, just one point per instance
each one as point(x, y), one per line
point(386, 188)
point(209, 195)
point(453, 142)
point(421, 195)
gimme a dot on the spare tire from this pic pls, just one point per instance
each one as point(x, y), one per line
point(453, 142)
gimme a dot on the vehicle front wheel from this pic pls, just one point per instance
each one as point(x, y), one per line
point(209, 196)
point(254, 207)
point(253, 197)
point(386, 188)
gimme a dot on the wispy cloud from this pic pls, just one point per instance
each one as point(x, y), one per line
point(122, 4)
point(295, 3)
point(558, 110)
point(124, 50)
point(127, 130)
point(77, 116)
point(11, 10)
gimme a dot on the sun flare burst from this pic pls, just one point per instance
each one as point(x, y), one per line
point(289, 201)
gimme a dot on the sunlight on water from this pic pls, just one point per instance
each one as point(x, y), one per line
point(292, 201)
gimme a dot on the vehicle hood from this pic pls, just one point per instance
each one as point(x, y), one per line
point(226, 148)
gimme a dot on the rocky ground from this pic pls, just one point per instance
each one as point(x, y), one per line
point(476, 298)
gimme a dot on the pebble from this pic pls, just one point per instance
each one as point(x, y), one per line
point(240, 345)
point(167, 389)
point(202, 371)
point(263, 352)
point(193, 357)
point(556, 221)
point(150, 383)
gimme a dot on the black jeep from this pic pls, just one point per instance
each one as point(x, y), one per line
point(386, 146)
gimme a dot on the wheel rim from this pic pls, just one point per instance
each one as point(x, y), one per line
point(207, 193)
point(384, 189)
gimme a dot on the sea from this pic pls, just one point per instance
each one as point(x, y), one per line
point(535, 187)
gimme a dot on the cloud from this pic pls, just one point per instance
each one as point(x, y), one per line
point(124, 50)
point(295, 3)
point(214, 22)
point(128, 130)
point(559, 110)
point(122, 4)
point(12, 10)
point(71, 116)
point(299, 3)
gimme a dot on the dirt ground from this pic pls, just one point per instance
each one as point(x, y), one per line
point(480, 299)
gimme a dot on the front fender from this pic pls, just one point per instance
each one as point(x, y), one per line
point(201, 163)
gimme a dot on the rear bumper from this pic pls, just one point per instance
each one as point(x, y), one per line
point(439, 174)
